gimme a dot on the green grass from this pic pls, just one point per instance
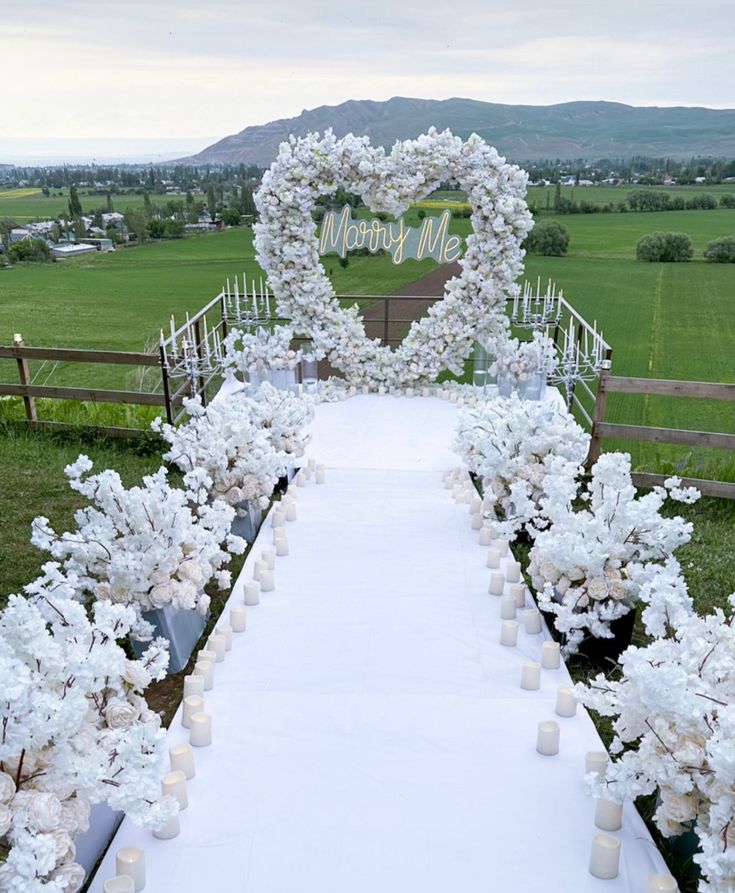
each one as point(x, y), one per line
point(604, 195)
point(26, 208)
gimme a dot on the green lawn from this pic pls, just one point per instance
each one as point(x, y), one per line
point(36, 206)
point(604, 195)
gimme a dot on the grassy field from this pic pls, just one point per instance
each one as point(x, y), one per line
point(29, 203)
point(603, 195)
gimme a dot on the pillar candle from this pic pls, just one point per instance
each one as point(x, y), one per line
point(277, 518)
point(320, 474)
point(218, 644)
point(193, 685)
point(508, 632)
point(258, 569)
point(595, 761)
point(311, 464)
point(171, 829)
point(547, 738)
point(475, 505)
point(507, 607)
point(365, 389)
point(224, 629)
point(532, 621)
point(193, 704)
point(476, 523)
point(381, 389)
point(485, 537)
point(207, 654)
point(448, 483)
point(566, 703)
point(238, 618)
point(662, 883)
point(550, 656)
point(493, 558)
point(291, 511)
point(269, 557)
point(502, 546)
point(200, 731)
point(425, 392)
point(268, 583)
point(531, 675)
point(174, 784)
point(409, 392)
point(181, 758)
point(252, 592)
point(131, 861)
point(281, 546)
point(497, 584)
point(608, 814)
point(205, 668)
point(518, 591)
point(512, 571)
point(605, 857)
point(122, 883)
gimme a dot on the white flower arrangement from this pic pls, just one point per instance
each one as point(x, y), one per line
point(262, 350)
point(141, 546)
point(76, 730)
point(589, 566)
point(521, 360)
point(673, 711)
point(528, 456)
point(224, 452)
point(284, 417)
point(287, 247)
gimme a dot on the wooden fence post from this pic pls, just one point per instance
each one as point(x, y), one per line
point(598, 415)
point(25, 379)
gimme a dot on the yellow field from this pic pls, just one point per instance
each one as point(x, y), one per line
point(452, 205)
point(26, 192)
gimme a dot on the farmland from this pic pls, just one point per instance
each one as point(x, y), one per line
point(28, 204)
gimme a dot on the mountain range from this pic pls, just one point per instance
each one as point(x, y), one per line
point(589, 130)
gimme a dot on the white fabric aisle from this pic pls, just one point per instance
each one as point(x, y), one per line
point(370, 733)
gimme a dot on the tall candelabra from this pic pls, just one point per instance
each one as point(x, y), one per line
point(578, 358)
point(534, 310)
point(247, 309)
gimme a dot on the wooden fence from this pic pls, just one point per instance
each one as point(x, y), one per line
point(612, 384)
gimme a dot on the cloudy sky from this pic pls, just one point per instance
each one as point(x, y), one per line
point(128, 76)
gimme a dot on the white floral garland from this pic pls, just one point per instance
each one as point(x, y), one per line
point(473, 309)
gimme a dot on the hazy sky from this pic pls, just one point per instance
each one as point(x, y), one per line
point(196, 71)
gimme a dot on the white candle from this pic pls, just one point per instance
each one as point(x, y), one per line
point(509, 632)
point(205, 668)
point(381, 389)
point(507, 607)
point(475, 505)
point(497, 584)
point(291, 511)
point(512, 571)
point(662, 883)
point(605, 857)
point(448, 483)
point(502, 546)
point(409, 392)
point(268, 583)
point(531, 675)
point(550, 656)
point(486, 536)
point(200, 732)
point(193, 685)
point(224, 629)
point(131, 861)
point(269, 557)
point(425, 392)
point(566, 703)
point(238, 618)
point(281, 546)
point(174, 784)
point(181, 758)
point(207, 654)
point(365, 389)
point(547, 738)
point(191, 705)
point(532, 621)
point(169, 830)
point(122, 883)
point(320, 474)
point(493, 559)
point(218, 644)
point(518, 591)
point(251, 592)
point(608, 814)
point(311, 464)
point(476, 522)
point(302, 480)
point(278, 518)
point(258, 569)
point(595, 761)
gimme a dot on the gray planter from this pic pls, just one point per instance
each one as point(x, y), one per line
point(183, 629)
point(247, 520)
point(91, 846)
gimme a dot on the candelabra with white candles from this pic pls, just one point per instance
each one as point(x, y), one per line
point(533, 309)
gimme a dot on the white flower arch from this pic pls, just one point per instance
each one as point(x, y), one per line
point(473, 308)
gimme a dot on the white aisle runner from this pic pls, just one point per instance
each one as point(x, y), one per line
point(370, 734)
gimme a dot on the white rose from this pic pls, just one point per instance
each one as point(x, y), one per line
point(6, 819)
point(549, 571)
point(190, 570)
point(63, 845)
point(75, 815)
point(679, 808)
point(160, 595)
point(7, 787)
point(120, 714)
point(576, 574)
point(69, 877)
point(44, 810)
point(598, 588)
point(136, 674)
point(102, 591)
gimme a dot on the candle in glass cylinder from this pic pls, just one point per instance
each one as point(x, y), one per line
point(485, 537)
point(502, 546)
point(269, 557)
point(605, 857)
point(181, 758)
point(595, 761)
point(608, 814)
point(547, 738)
point(268, 582)
point(493, 558)
point(320, 474)
point(169, 830)
point(200, 730)
point(662, 883)
point(566, 703)
point(497, 584)
point(518, 591)
point(531, 675)
point(509, 632)
point(224, 629)
point(238, 618)
point(291, 511)
point(131, 861)
point(122, 883)
point(281, 546)
point(258, 569)
point(532, 621)
point(251, 592)
point(507, 607)
point(550, 656)
point(174, 784)
point(278, 518)
point(218, 644)
point(191, 705)
point(512, 571)
point(193, 685)
point(205, 668)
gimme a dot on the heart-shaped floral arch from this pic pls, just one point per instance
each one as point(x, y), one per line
point(473, 309)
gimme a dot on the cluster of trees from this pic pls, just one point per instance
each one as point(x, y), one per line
point(677, 248)
point(642, 170)
point(549, 239)
point(654, 200)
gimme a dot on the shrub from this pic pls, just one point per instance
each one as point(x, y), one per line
point(721, 251)
point(550, 239)
point(727, 201)
point(670, 248)
point(421, 213)
point(29, 250)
